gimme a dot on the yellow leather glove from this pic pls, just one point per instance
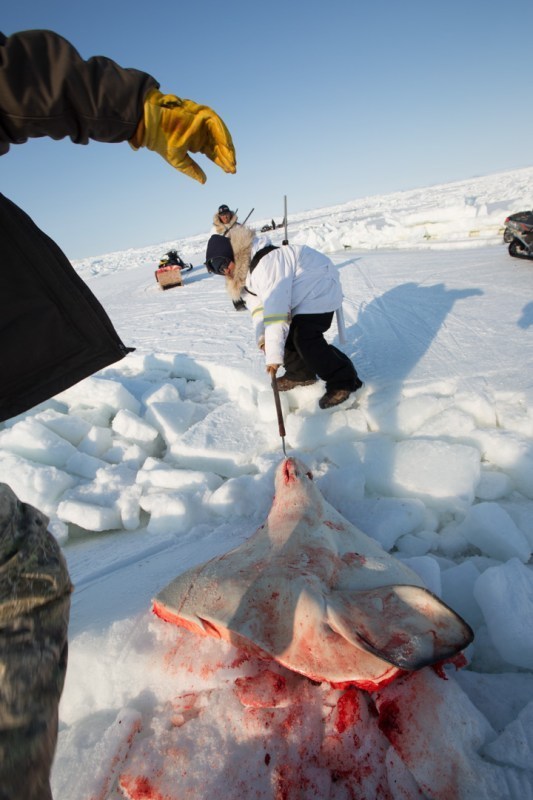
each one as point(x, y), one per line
point(174, 127)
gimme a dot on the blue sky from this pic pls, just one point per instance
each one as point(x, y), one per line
point(326, 103)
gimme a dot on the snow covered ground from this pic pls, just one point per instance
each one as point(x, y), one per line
point(166, 459)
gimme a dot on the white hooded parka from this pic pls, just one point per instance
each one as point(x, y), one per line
point(293, 279)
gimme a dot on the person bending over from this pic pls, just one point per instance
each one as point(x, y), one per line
point(293, 292)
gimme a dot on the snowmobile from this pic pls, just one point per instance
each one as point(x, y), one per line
point(273, 225)
point(172, 259)
point(519, 234)
point(170, 269)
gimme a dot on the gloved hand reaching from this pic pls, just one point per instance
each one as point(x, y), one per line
point(174, 127)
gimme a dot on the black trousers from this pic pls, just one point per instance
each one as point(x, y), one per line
point(308, 354)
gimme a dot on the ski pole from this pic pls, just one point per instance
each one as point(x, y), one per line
point(286, 239)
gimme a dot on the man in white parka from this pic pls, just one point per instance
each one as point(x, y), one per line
point(293, 292)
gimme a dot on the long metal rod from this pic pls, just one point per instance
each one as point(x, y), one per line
point(248, 217)
point(279, 412)
point(235, 222)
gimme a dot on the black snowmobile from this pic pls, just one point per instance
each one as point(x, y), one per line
point(172, 259)
point(519, 234)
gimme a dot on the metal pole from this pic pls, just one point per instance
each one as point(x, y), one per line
point(279, 412)
point(234, 223)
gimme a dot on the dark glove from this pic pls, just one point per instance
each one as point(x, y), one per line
point(239, 304)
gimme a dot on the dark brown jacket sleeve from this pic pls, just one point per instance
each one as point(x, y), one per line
point(47, 89)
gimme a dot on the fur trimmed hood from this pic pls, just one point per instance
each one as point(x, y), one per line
point(241, 239)
point(220, 227)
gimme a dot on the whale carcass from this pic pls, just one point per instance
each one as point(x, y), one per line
point(316, 594)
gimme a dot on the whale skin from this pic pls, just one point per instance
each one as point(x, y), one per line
point(313, 592)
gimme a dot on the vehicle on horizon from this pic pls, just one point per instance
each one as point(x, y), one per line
point(518, 234)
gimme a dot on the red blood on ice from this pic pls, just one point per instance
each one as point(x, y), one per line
point(389, 720)
point(347, 710)
point(140, 788)
point(266, 690)
point(240, 659)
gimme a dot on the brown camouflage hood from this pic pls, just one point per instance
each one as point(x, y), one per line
point(32, 567)
point(34, 611)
